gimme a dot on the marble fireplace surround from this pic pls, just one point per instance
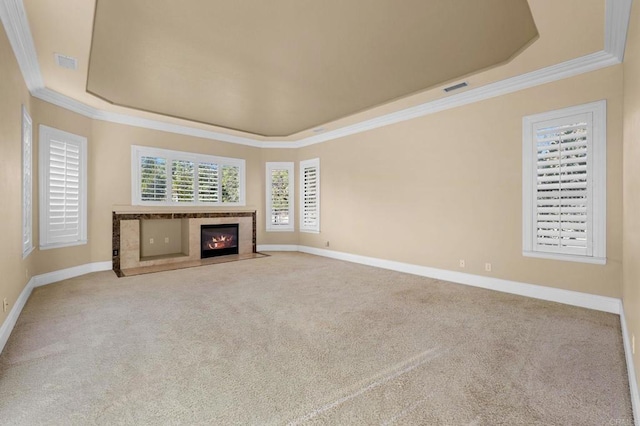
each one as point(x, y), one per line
point(126, 235)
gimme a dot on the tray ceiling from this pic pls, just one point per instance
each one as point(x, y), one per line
point(567, 30)
point(280, 67)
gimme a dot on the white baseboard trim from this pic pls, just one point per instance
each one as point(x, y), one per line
point(76, 271)
point(574, 298)
point(40, 280)
point(631, 371)
point(12, 318)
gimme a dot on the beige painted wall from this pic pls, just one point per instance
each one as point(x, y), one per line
point(631, 183)
point(448, 186)
point(14, 271)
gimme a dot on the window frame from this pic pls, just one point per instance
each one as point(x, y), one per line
point(47, 135)
point(270, 225)
point(27, 184)
point(137, 152)
point(596, 182)
point(314, 162)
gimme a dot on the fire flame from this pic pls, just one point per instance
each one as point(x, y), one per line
point(221, 241)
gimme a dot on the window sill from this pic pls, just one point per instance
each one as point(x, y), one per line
point(566, 257)
point(310, 231)
point(280, 229)
point(61, 245)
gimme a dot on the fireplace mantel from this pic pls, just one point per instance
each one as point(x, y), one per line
point(126, 233)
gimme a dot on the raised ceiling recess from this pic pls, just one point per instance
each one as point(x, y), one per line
point(275, 68)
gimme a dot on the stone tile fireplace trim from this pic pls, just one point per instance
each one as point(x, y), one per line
point(117, 217)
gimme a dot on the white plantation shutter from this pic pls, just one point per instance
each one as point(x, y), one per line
point(153, 179)
point(279, 196)
point(182, 181)
point(63, 218)
point(164, 177)
point(563, 190)
point(208, 183)
point(27, 183)
point(230, 184)
point(310, 195)
point(564, 172)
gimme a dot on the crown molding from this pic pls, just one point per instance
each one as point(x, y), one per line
point(63, 101)
point(549, 74)
point(146, 123)
point(78, 107)
point(14, 19)
point(617, 14)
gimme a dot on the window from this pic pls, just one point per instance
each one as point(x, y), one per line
point(280, 197)
point(164, 177)
point(63, 188)
point(564, 184)
point(310, 195)
point(27, 184)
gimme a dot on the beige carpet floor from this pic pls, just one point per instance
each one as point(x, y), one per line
point(299, 339)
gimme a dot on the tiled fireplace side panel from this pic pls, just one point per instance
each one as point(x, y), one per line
point(129, 244)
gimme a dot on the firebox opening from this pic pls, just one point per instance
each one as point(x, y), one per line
point(218, 240)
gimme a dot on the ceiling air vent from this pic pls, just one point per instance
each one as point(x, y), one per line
point(66, 61)
point(455, 87)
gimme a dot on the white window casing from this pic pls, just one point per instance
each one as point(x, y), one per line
point(564, 184)
point(162, 177)
point(63, 188)
point(279, 196)
point(310, 195)
point(27, 183)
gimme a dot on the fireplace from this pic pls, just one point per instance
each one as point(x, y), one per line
point(218, 240)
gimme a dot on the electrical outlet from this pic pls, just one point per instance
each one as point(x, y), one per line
point(633, 344)
point(487, 267)
point(26, 273)
point(166, 240)
point(462, 263)
point(151, 241)
point(5, 305)
point(326, 244)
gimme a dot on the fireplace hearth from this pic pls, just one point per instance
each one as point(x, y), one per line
point(218, 240)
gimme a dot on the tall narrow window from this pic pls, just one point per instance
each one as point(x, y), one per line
point(310, 195)
point(164, 177)
point(564, 184)
point(27, 184)
point(63, 188)
point(279, 183)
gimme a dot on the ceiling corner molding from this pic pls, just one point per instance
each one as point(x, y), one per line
point(78, 107)
point(65, 102)
point(617, 16)
point(146, 123)
point(16, 24)
point(571, 68)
